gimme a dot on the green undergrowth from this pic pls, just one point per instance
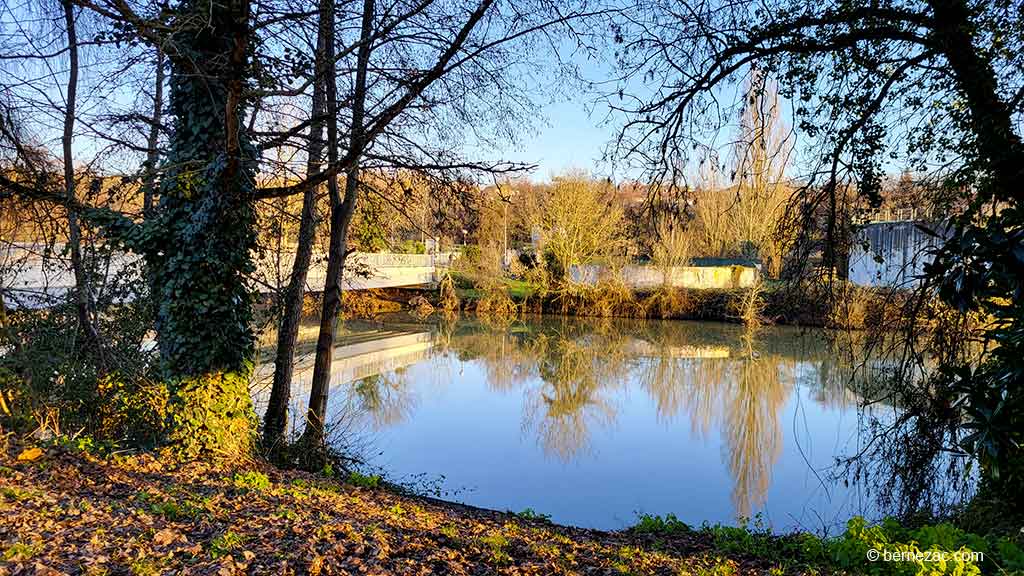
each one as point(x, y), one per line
point(783, 303)
point(518, 290)
point(884, 549)
point(363, 480)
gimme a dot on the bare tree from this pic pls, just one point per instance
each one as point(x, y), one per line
point(83, 294)
point(153, 139)
point(240, 91)
point(341, 215)
point(762, 155)
point(581, 222)
point(468, 48)
point(275, 420)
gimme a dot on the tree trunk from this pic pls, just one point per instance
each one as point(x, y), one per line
point(997, 142)
point(198, 252)
point(83, 295)
point(152, 153)
point(276, 418)
point(341, 216)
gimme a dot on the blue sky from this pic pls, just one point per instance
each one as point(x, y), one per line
point(571, 126)
point(574, 130)
point(570, 131)
point(569, 138)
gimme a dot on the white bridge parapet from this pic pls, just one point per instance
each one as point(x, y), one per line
point(364, 270)
point(29, 277)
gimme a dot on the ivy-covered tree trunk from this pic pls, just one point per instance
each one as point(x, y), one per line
point(198, 244)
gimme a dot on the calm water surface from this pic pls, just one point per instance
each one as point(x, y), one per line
point(594, 422)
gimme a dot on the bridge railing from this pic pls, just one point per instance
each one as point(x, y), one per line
point(392, 259)
point(25, 269)
point(912, 214)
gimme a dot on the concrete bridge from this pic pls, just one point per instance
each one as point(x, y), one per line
point(372, 354)
point(363, 270)
point(26, 276)
point(646, 277)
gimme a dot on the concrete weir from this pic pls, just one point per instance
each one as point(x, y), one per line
point(647, 277)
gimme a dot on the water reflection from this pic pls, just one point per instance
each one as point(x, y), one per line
point(754, 437)
point(575, 377)
point(736, 387)
point(386, 398)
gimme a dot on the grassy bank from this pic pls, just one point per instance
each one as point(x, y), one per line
point(66, 510)
point(777, 303)
point(74, 513)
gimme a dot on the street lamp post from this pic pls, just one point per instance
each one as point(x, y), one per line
point(504, 236)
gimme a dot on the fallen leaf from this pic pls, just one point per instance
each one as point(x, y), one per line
point(165, 537)
point(29, 454)
point(315, 565)
point(227, 567)
point(42, 570)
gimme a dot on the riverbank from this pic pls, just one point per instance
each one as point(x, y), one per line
point(67, 510)
point(849, 307)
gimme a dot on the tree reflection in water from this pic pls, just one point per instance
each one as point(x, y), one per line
point(752, 432)
point(386, 398)
point(572, 371)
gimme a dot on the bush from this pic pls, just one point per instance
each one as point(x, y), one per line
point(657, 525)
point(133, 409)
point(931, 549)
point(15, 412)
point(212, 414)
point(251, 481)
point(411, 247)
point(533, 516)
point(54, 379)
point(48, 374)
point(495, 303)
point(363, 480)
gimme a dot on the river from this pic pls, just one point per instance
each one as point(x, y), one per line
point(596, 421)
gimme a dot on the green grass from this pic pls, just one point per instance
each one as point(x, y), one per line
point(363, 480)
point(518, 290)
point(173, 510)
point(21, 551)
point(532, 515)
point(223, 545)
point(497, 546)
point(251, 481)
